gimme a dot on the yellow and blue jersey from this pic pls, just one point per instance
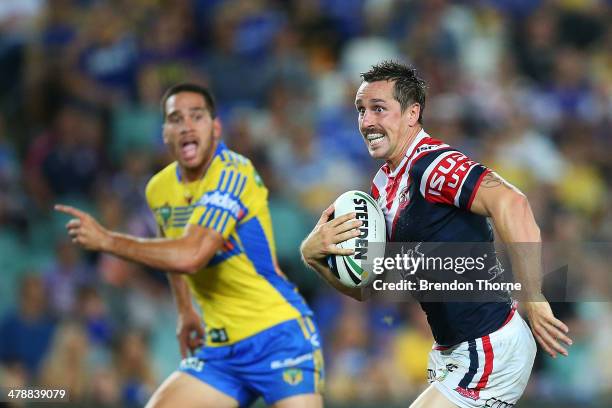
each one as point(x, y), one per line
point(241, 291)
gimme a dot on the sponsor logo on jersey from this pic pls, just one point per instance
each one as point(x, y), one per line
point(314, 340)
point(223, 200)
point(427, 147)
point(290, 362)
point(192, 363)
point(293, 376)
point(470, 393)
point(450, 367)
point(443, 179)
point(433, 376)
point(165, 212)
point(218, 335)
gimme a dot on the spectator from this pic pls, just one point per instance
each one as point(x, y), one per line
point(26, 333)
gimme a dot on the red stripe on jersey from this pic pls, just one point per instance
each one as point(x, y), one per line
point(375, 192)
point(476, 186)
point(388, 188)
point(488, 367)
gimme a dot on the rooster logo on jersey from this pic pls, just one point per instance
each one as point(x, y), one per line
point(403, 196)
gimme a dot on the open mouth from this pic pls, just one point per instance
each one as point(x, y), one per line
point(189, 149)
point(374, 138)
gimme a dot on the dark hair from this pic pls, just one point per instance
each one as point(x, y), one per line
point(408, 87)
point(190, 87)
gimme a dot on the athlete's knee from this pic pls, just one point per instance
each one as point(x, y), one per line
point(432, 398)
point(182, 390)
point(162, 398)
point(300, 401)
point(158, 401)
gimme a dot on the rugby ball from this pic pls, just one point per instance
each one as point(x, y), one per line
point(357, 270)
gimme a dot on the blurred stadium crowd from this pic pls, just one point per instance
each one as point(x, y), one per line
point(523, 86)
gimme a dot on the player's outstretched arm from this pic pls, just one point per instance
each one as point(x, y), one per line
point(321, 242)
point(186, 254)
point(515, 223)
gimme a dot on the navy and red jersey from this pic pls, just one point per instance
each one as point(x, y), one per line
point(427, 198)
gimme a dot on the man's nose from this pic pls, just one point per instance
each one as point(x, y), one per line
point(367, 120)
point(187, 125)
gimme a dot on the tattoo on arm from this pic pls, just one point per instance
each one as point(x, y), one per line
point(492, 180)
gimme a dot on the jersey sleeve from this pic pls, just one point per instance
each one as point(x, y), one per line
point(448, 177)
point(224, 201)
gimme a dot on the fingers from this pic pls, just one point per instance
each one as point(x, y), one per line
point(553, 335)
point(198, 334)
point(69, 210)
point(342, 219)
point(195, 339)
point(326, 214)
point(340, 233)
point(348, 226)
point(547, 329)
point(336, 250)
point(544, 345)
point(559, 334)
point(195, 343)
point(547, 337)
point(189, 341)
point(74, 233)
point(345, 236)
point(190, 336)
point(558, 324)
point(73, 226)
point(73, 223)
point(340, 230)
point(324, 237)
point(182, 336)
point(556, 346)
point(182, 346)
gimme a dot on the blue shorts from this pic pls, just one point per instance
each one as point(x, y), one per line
point(276, 363)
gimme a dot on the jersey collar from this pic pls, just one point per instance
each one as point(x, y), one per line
point(220, 148)
point(387, 170)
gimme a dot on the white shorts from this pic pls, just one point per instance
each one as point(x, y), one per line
point(489, 372)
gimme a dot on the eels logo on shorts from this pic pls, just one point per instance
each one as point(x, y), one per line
point(293, 376)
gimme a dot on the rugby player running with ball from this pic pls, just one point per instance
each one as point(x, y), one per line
point(491, 345)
